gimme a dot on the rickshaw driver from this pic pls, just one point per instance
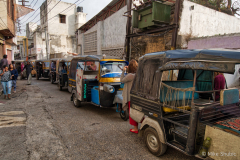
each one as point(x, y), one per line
point(53, 66)
point(92, 66)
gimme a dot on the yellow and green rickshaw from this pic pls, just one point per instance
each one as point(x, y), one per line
point(43, 68)
point(62, 71)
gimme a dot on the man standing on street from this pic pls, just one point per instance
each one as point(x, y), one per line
point(28, 68)
point(4, 61)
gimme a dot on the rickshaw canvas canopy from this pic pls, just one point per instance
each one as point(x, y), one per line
point(209, 59)
point(147, 80)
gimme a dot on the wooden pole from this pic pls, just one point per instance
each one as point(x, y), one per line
point(129, 6)
point(175, 30)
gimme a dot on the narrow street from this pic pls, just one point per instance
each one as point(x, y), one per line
point(40, 122)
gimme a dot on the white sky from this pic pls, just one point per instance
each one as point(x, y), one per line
point(91, 7)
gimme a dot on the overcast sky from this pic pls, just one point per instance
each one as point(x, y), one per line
point(91, 7)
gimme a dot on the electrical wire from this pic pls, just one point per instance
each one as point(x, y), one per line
point(66, 9)
point(32, 8)
point(34, 13)
point(46, 14)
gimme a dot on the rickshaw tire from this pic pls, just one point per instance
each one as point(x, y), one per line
point(60, 87)
point(77, 103)
point(51, 79)
point(161, 149)
point(124, 116)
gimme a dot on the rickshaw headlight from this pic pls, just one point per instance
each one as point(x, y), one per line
point(108, 88)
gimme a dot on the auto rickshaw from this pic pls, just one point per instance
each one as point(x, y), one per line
point(52, 74)
point(173, 98)
point(62, 72)
point(95, 79)
point(43, 68)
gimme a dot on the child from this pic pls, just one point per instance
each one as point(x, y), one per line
point(14, 74)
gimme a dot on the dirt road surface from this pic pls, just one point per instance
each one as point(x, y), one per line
point(40, 122)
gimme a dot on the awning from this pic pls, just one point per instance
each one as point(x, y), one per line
point(21, 10)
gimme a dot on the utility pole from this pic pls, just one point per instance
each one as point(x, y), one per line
point(23, 3)
point(129, 6)
point(175, 30)
point(27, 48)
point(46, 39)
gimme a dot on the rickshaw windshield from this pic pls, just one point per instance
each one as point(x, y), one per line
point(88, 66)
point(62, 67)
point(112, 69)
point(46, 64)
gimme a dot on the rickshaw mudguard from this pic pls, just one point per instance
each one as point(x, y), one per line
point(154, 124)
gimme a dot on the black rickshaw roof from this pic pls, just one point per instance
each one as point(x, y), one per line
point(93, 57)
point(66, 59)
point(54, 59)
point(208, 54)
point(221, 60)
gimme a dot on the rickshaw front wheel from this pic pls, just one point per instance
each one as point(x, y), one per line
point(76, 102)
point(153, 143)
point(124, 114)
point(60, 87)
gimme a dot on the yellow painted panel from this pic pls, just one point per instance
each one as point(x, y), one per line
point(109, 80)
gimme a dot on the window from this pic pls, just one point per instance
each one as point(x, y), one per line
point(62, 18)
point(88, 66)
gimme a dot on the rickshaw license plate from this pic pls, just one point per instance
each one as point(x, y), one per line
point(136, 107)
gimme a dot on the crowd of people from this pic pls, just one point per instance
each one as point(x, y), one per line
point(9, 76)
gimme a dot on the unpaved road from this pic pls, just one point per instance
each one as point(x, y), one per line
point(40, 122)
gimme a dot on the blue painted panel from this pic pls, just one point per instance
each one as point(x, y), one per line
point(230, 96)
point(95, 95)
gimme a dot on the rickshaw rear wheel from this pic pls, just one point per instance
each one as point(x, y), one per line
point(60, 87)
point(51, 79)
point(153, 143)
point(76, 102)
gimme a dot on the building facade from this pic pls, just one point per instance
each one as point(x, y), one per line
point(55, 36)
point(105, 33)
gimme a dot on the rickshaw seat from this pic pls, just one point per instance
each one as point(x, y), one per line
point(229, 96)
point(179, 84)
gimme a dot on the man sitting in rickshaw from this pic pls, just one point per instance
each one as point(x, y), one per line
point(53, 66)
point(91, 66)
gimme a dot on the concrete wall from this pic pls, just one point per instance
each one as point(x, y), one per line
point(110, 34)
point(39, 45)
point(224, 41)
point(203, 21)
point(54, 25)
point(62, 36)
point(80, 19)
point(114, 30)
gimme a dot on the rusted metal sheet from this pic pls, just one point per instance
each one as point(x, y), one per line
point(22, 10)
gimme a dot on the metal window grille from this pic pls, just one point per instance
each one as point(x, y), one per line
point(116, 52)
point(90, 42)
